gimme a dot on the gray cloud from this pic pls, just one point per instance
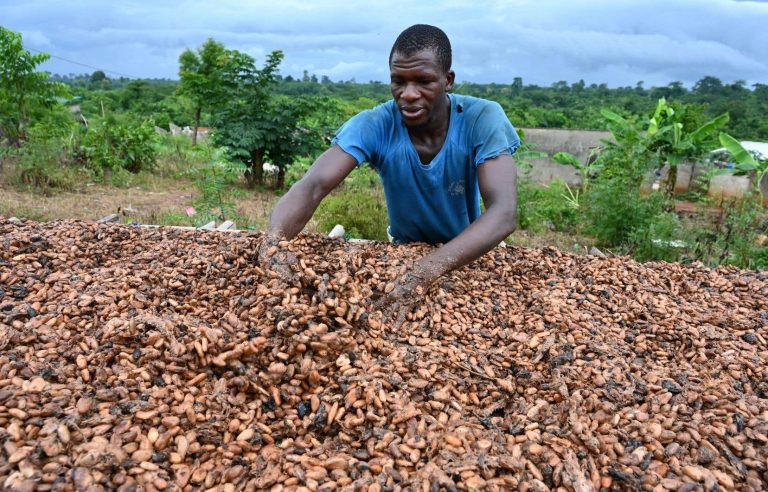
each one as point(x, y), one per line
point(543, 41)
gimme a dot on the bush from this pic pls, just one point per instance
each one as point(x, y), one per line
point(112, 144)
point(176, 155)
point(216, 193)
point(45, 163)
point(657, 239)
point(552, 208)
point(358, 205)
point(735, 235)
point(363, 214)
point(615, 211)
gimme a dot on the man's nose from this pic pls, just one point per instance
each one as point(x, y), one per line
point(411, 92)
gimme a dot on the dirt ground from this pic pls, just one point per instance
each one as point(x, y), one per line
point(144, 205)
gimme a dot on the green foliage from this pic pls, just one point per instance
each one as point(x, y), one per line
point(46, 159)
point(587, 170)
point(23, 89)
point(656, 238)
point(732, 236)
point(119, 145)
point(215, 199)
point(746, 163)
point(674, 132)
point(547, 208)
point(617, 214)
point(176, 155)
point(207, 75)
point(45, 163)
point(255, 125)
point(358, 205)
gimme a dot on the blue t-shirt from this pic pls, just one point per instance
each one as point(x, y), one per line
point(433, 202)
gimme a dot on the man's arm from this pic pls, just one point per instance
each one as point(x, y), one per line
point(296, 207)
point(498, 187)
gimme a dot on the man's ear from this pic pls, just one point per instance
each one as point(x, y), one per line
point(450, 76)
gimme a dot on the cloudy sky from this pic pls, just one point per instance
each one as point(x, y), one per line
point(619, 42)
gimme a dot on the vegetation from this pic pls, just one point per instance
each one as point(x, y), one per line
point(66, 132)
point(202, 76)
point(24, 92)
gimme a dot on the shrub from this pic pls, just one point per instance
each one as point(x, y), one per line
point(112, 144)
point(45, 163)
point(555, 207)
point(363, 213)
point(358, 205)
point(734, 235)
point(214, 182)
point(176, 155)
point(657, 239)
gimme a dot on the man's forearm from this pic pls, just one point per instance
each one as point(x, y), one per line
point(296, 207)
point(480, 237)
point(293, 211)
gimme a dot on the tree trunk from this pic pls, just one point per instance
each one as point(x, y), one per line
point(280, 177)
point(197, 125)
point(255, 174)
point(671, 180)
point(22, 133)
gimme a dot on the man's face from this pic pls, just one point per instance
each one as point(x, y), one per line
point(419, 85)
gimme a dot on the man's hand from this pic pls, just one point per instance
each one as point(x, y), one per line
point(498, 186)
point(273, 259)
point(407, 290)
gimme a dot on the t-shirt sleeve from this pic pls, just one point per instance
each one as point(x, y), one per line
point(359, 137)
point(493, 135)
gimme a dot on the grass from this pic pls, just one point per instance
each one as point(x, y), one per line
point(156, 197)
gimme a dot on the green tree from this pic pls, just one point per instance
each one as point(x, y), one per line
point(202, 76)
point(258, 126)
point(99, 80)
point(22, 87)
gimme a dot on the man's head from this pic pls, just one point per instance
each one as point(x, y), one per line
point(424, 37)
point(421, 75)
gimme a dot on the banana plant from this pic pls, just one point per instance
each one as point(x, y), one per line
point(587, 169)
point(746, 163)
point(665, 136)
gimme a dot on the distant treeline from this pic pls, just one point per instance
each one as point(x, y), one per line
point(561, 105)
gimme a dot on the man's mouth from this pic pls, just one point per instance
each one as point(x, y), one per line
point(411, 112)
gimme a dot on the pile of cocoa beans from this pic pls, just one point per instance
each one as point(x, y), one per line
point(162, 359)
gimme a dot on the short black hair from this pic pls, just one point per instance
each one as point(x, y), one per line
point(423, 36)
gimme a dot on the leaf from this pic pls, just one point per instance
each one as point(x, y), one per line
point(614, 117)
point(709, 127)
point(742, 169)
point(744, 160)
point(567, 159)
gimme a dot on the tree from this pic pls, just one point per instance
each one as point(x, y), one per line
point(202, 77)
point(21, 85)
point(708, 89)
point(256, 125)
point(135, 94)
point(99, 80)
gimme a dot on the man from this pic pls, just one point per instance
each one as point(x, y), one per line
point(436, 155)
